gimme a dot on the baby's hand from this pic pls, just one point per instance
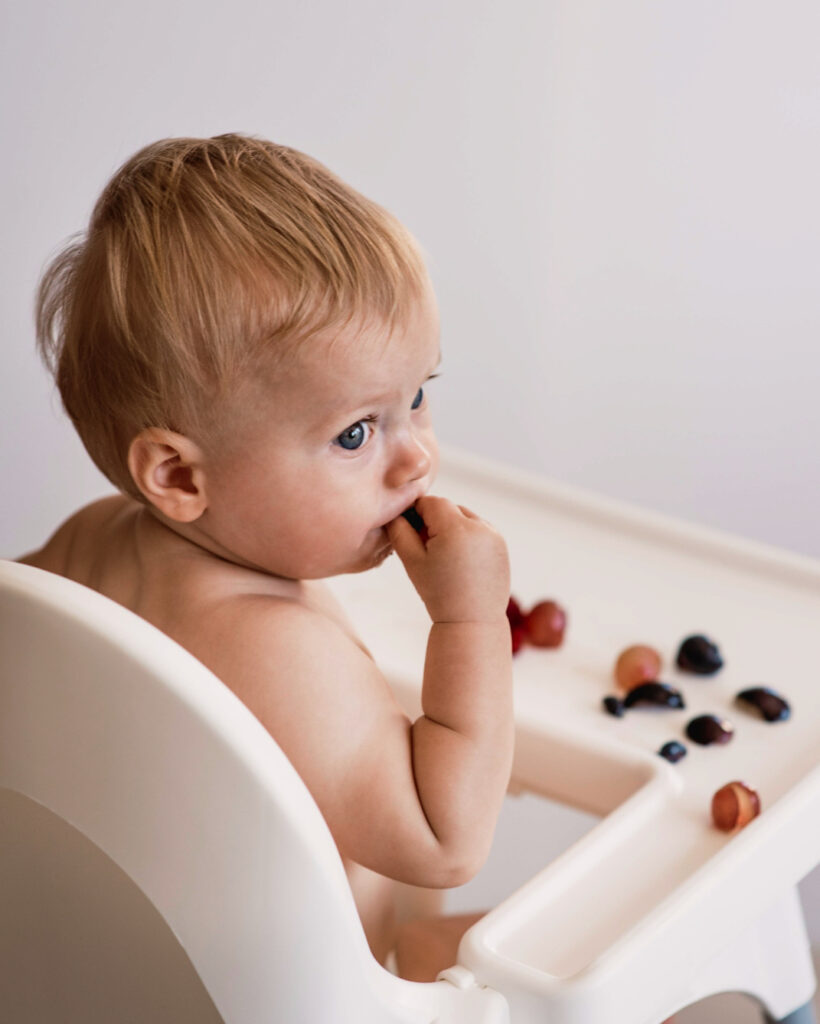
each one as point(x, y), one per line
point(462, 571)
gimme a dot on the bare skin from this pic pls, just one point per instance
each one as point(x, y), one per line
point(227, 556)
point(425, 946)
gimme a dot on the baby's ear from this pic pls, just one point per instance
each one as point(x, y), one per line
point(168, 469)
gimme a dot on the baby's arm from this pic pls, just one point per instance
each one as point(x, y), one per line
point(463, 742)
point(415, 801)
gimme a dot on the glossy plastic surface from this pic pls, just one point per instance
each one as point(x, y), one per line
point(121, 733)
point(594, 935)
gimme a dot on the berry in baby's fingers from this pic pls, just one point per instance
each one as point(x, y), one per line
point(415, 520)
point(545, 624)
point(519, 637)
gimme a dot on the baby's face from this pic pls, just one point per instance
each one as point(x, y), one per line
point(336, 448)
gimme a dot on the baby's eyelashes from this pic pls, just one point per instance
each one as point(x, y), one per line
point(354, 437)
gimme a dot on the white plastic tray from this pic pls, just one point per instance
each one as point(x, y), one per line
point(654, 881)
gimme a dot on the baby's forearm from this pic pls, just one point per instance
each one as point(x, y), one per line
point(463, 742)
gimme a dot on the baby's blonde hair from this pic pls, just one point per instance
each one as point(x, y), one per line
point(204, 258)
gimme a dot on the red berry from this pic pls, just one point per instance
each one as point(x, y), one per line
point(637, 665)
point(734, 805)
point(519, 637)
point(545, 624)
point(514, 613)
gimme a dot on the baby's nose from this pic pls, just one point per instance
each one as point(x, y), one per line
point(412, 460)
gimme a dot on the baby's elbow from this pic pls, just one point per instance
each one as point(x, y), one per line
point(457, 868)
point(461, 874)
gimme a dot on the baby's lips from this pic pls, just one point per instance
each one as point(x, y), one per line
point(415, 520)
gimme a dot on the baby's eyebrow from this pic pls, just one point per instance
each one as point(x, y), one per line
point(333, 413)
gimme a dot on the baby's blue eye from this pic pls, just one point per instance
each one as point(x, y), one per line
point(353, 437)
point(418, 399)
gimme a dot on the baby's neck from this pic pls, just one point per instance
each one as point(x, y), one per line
point(198, 536)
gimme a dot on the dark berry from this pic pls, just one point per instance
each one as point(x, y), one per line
point(699, 655)
point(415, 520)
point(673, 751)
point(770, 704)
point(519, 636)
point(614, 706)
point(706, 729)
point(658, 694)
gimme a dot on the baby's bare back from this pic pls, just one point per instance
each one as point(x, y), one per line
point(411, 801)
point(116, 547)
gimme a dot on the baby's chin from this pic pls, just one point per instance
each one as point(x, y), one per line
point(383, 556)
point(371, 559)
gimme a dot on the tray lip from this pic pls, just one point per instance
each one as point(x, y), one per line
point(776, 565)
point(738, 551)
point(745, 849)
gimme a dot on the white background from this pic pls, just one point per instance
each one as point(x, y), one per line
point(619, 203)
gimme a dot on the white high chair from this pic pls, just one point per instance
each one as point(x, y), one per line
point(117, 730)
point(124, 735)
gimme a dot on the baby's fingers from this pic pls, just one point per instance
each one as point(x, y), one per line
point(438, 513)
point(405, 540)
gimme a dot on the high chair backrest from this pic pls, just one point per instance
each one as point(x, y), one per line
point(116, 729)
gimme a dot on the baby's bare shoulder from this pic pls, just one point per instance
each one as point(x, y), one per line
point(307, 679)
point(261, 636)
point(76, 534)
point(325, 702)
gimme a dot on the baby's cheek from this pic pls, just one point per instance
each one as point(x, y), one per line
point(434, 459)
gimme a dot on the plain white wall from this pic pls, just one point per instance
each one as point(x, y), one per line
point(619, 202)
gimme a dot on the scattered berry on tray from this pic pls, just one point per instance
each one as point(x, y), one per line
point(545, 624)
point(706, 729)
point(514, 613)
point(770, 704)
point(615, 706)
point(699, 655)
point(657, 694)
point(635, 665)
point(734, 805)
point(673, 751)
point(519, 638)
point(516, 619)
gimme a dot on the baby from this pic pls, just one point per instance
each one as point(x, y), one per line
point(242, 342)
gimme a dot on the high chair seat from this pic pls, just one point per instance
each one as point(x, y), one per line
point(122, 734)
